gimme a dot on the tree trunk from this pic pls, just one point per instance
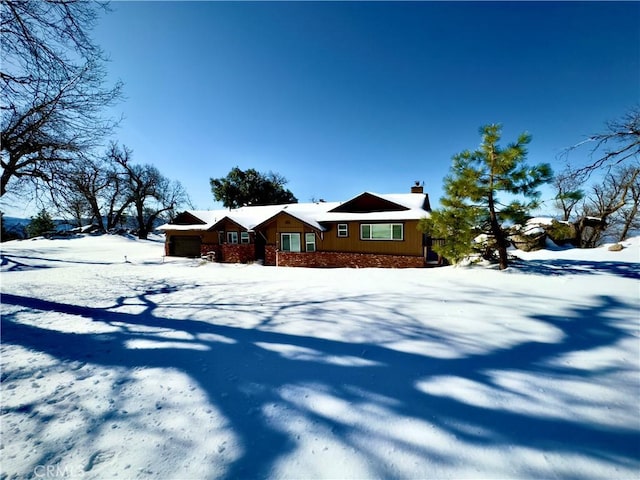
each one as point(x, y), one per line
point(97, 215)
point(627, 223)
point(7, 173)
point(142, 227)
point(498, 234)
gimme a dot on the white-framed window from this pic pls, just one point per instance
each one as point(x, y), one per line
point(290, 242)
point(244, 237)
point(310, 242)
point(381, 231)
point(343, 230)
point(232, 237)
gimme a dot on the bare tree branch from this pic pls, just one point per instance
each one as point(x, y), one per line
point(52, 85)
point(619, 143)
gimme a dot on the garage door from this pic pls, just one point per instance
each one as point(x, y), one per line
point(185, 246)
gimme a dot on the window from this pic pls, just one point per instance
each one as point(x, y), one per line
point(343, 230)
point(290, 242)
point(244, 237)
point(381, 231)
point(232, 237)
point(310, 242)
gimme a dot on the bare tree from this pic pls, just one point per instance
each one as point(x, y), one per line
point(619, 143)
point(114, 192)
point(79, 190)
point(627, 217)
point(73, 207)
point(152, 196)
point(52, 84)
point(568, 191)
point(110, 188)
point(605, 202)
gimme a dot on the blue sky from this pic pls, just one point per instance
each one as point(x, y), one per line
point(346, 97)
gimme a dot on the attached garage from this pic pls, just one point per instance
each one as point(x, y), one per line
point(184, 246)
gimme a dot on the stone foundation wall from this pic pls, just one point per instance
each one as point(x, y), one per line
point(270, 255)
point(343, 259)
point(206, 248)
point(239, 253)
point(230, 252)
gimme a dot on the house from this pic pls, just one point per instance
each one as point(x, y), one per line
point(369, 230)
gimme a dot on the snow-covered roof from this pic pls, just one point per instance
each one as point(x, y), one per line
point(208, 217)
point(313, 214)
point(413, 203)
point(409, 200)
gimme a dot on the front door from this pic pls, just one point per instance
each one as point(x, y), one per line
point(260, 243)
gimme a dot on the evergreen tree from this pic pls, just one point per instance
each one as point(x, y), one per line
point(40, 224)
point(250, 187)
point(471, 205)
point(457, 226)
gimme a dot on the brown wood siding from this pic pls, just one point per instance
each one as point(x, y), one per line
point(206, 237)
point(287, 224)
point(410, 245)
point(209, 237)
point(329, 241)
point(227, 226)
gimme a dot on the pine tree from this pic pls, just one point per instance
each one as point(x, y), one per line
point(40, 224)
point(457, 226)
point(471, 205)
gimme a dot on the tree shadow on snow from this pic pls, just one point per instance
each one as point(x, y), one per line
point(244, 378)
point(20, 263)
point(577, 267)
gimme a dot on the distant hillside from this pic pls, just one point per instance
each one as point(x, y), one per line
point(14, 228)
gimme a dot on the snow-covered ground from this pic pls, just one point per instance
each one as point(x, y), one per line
point(118, 363)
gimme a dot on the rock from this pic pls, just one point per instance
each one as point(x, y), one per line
point(529, 243)
point(616, 247)
point(562, 233)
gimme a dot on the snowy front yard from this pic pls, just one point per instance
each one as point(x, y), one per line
point(170, 368)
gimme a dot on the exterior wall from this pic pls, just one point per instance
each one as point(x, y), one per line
point(270, 255)
point(209, 237)
point(331, 250)
point(238, 253)
point(225, 252)
point(329, 241)
point(229, 226)
point(206, 237)
point(353, 260)
point(207, 248)
point(287, 224)
point(410, 245)
point(230, 253)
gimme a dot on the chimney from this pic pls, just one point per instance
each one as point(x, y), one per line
point(417, 188)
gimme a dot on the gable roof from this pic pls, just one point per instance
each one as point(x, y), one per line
point(368, 202)
point(305, 212)
point(366, 206)
point(399, 206)
point(187, 218)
